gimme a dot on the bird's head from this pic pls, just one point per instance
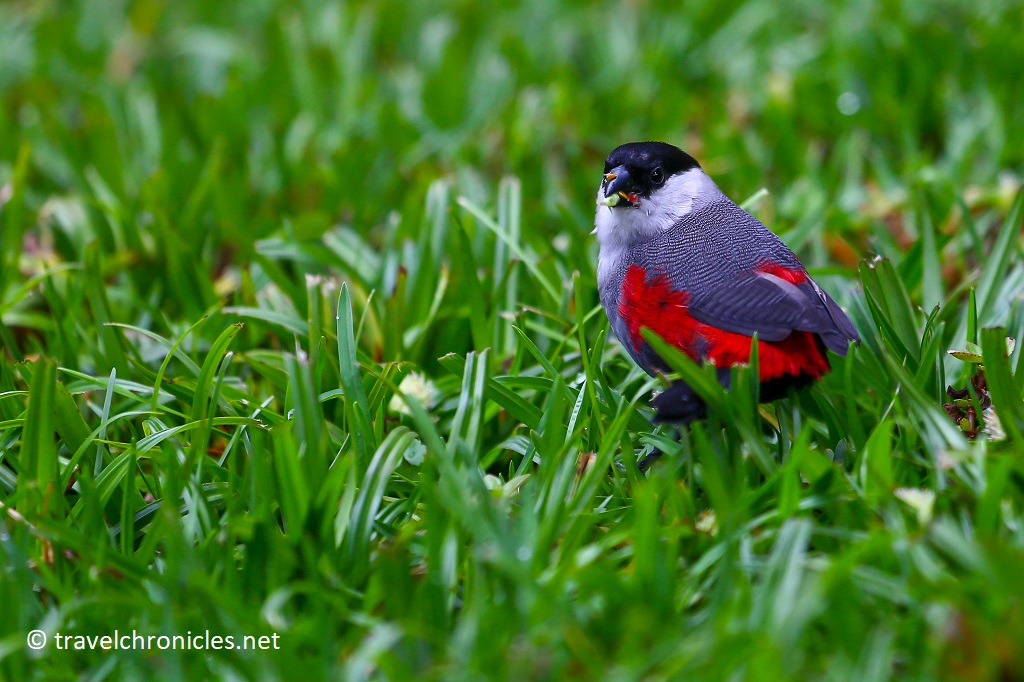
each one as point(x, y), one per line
point(646, 188)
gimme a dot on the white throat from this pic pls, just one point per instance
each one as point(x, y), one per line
point(621, 227)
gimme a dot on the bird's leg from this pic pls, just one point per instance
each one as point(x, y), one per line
point(650, 459)
point(644, 464)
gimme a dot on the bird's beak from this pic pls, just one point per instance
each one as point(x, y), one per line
point(616, 180)
point(617, 186)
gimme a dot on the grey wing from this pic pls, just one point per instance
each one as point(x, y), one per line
point(774, 308)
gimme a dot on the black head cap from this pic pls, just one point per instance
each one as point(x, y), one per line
point(649, 164)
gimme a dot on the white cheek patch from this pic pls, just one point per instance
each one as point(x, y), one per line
point(680, 195)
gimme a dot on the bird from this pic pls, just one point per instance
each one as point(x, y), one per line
point(678, 257)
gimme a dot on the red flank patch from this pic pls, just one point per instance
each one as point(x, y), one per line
point(791, 275)
point(657, 306)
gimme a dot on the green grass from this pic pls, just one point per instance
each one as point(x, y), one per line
point(232, 233)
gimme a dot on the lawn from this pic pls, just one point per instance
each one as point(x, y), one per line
point(300, 339)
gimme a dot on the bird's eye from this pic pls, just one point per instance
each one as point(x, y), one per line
point(657, 176)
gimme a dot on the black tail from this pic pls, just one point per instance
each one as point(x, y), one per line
point(679, 404)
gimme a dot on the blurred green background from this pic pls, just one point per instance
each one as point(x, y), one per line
point(313, 113)
point(170, 169)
